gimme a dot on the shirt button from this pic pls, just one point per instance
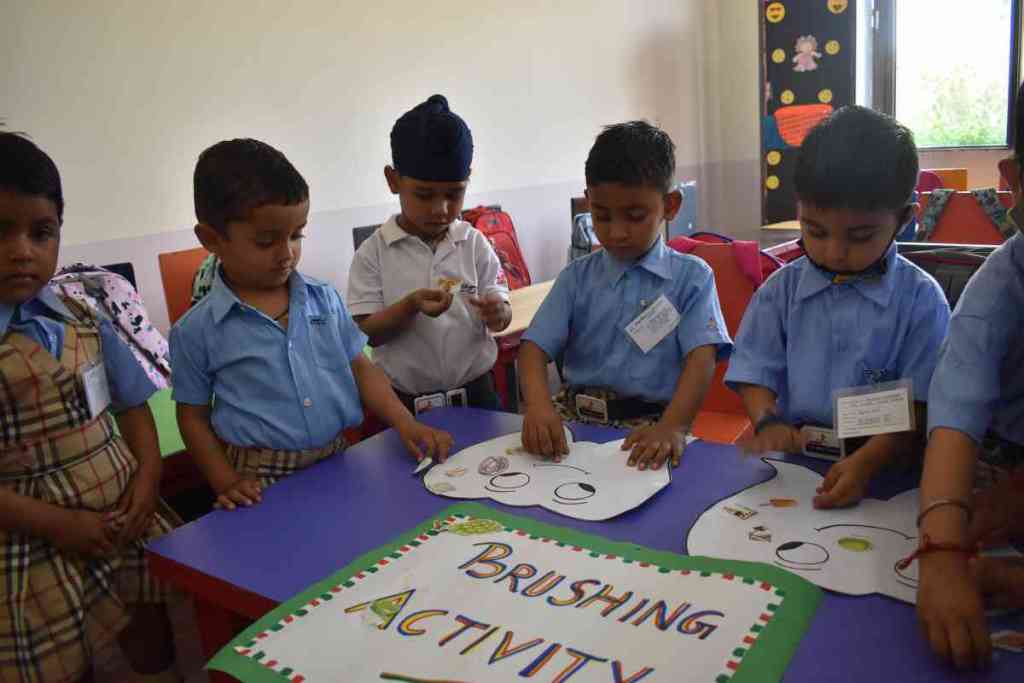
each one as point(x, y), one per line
point(308, 402)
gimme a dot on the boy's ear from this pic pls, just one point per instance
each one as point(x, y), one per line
point(393, 178)
point(1009, 169)
point(209, 237)
point(673, 202)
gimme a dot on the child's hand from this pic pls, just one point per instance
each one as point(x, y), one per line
point(432, 302)
point(135, 510)
point(242, 491)
point(425, 442)
point(85, 533)
point(951, 611)
point(543, 433)
point(1000, 580)
point(998, 515)
point(774, 437)
point(844, 484)
point(653, 444)
point(494, 310)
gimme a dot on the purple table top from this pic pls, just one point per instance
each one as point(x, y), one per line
point(317, 521)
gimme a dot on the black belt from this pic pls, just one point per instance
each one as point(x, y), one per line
point(482, 384)
point(1001, 452)
point(628, 408)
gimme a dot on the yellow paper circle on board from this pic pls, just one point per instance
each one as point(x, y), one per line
point(838, 6)
point(779, 56)
point(787, 97)
point(774, 158)
point(832, 47)
point(775, 12)
point(772, 182)
point(825, 96)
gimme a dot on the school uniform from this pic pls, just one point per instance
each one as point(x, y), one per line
point(282, 390)
point(581, 325)
point(978, 387)
point(805, 335)
point(454, 350)
point(58, 608)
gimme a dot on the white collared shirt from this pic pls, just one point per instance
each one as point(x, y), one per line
point(432, 354)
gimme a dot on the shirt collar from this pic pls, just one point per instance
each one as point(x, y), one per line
point(44, 299)
point(655, 261)
point(392, 232)
point(222, 300)
point(879, 290)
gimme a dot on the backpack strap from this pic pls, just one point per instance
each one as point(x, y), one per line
point(932, 212)
point(988, 199)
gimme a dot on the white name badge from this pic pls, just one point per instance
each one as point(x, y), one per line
point(877, 409)
point(97, 391)
point(821, 443)
point(654, 324)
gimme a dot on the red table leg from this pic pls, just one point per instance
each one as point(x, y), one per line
point(217, 627)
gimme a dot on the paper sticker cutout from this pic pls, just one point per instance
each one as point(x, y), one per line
point(1010, 641)
point(456, 472)
point(825, 96)
point(739, 511)
point(593, 482)
point(760, 534)
point(772, 182)
point(806, 54)
point(832, 47)
point(787, 97)
point(451, 285)
point(838, 6)
point(781, 503)
point(853, 550)
point(778, 55)
point(775, 12)
point(797, 121)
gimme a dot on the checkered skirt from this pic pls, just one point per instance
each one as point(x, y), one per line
point(268, 465)
point(57, 608)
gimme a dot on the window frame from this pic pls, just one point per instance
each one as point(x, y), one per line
point(882, 24)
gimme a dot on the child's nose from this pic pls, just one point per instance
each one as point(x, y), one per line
point(837, 251)
point(21, 249)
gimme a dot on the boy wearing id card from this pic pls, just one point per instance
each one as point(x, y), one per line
point(636, 326)
point(851, 326)
point(77, 501)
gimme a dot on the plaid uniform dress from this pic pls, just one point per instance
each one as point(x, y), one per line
point(267, 465)
point(57, 608)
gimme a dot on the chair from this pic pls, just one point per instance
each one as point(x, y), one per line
point(952, 178)
point(722, 417)
point(177, 268)
point(963, 221)
point(928, 181)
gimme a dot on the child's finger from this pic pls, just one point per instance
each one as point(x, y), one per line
point(444, 445)
point(224, 502)
point(413, 448)
point(238, 497)
point(563, 447)
point(630, 439)
point(544, 446)
point(664, 450)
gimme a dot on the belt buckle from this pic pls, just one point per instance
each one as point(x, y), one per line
point(422, 404)
point(457, 398)
point(592, 408)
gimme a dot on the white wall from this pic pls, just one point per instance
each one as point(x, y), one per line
point(125, 94)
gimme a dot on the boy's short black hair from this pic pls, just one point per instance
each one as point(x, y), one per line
point(857, 159)
point(234, 177)
point(634, 154)
point(26, 169)
point(1018, 125)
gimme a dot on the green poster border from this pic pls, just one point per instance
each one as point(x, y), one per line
point(766, 660)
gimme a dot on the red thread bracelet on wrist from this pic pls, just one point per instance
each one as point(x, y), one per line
point(928, 547)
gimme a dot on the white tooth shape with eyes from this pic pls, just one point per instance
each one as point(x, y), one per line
point(591, 483)
point(854, 550)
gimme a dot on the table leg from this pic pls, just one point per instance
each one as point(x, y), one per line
point(217, 627)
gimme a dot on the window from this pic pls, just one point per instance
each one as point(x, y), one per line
point(947, 69)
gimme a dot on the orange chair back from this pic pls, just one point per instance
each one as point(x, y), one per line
point(177, 268)
point(963, 221)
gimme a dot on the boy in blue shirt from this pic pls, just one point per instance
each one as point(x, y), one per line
point(268, 369)
point(637, 325)
point(849, 313)
point(976, 412)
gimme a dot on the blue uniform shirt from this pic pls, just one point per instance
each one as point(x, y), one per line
point(979, 381)
point(804, 337)
point(593, 300)
point(42, 320)
point(271, 388)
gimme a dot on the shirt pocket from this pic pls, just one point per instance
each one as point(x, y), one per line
point(329, 351)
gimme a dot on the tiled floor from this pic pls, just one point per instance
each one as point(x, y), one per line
point(111, 667)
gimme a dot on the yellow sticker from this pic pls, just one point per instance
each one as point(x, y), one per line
point(779, 56)
point(832, 47)
point(787, 97)
point(774, 157)
point(825, 96)
point(775, 12)
point(772, 182)
point(838, 6)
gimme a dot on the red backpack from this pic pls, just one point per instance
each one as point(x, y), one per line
point(497, 226)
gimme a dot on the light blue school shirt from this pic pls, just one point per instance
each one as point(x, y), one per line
point(271, 388)
point(979, 381)
point(585, 315)
point(804, 337)
point(42, 319)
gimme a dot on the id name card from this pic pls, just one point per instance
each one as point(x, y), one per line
point(877, 409)
point(821, 443)
point(424, 403)
point(97, 391)
point(654, 324)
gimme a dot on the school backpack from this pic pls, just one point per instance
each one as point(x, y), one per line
point(756, 264)
point(114, 298)
point(497, 227)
